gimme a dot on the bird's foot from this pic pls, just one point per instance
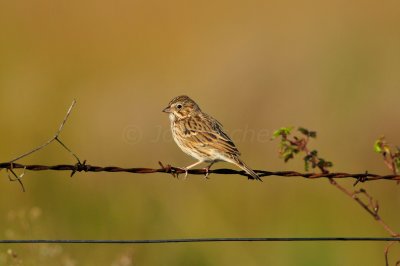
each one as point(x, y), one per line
point(186, 172)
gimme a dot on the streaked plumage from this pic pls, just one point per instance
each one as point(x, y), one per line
point(201, 136)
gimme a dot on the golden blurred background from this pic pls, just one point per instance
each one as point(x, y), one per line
point(331, 66)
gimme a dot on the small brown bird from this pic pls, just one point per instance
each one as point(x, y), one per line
point(201, 136)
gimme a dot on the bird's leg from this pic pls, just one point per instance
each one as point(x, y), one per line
point(208, 169)
point(190, 166)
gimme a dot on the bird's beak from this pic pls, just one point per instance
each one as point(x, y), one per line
point(167, 110)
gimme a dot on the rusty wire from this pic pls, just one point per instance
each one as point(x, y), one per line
point(83, 167)
point(371, 206)
point(168, 169)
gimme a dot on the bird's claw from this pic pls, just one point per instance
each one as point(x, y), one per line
point(207, 173)
point(183, 169)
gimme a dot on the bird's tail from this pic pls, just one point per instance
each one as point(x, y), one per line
point(252, 175)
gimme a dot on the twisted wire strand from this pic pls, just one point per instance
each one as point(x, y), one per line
point(83, 167)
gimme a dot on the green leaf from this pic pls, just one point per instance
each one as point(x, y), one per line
point(303, 130)
point(283, 131)
point(306, 165)
point(323, 164)
point(307, 160)
point(287, 157)
point(378, 146)
point(397, 163)
point(306, 132)
point(381, 146)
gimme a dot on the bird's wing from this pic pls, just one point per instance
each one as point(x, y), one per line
point(207, 131)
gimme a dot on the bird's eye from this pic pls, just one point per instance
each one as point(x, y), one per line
point(179, 106)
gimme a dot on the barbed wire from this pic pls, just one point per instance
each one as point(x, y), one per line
point(196, 240)
point(370, 205)
point(83, 167)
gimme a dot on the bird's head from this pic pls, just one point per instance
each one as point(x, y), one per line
point(181, 107)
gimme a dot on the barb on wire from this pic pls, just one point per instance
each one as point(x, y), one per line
point(290, 145)
point(168, 169)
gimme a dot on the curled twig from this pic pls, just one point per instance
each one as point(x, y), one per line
point(16, 177)
point(56, 136)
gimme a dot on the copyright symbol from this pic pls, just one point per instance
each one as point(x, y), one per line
point(132, 134)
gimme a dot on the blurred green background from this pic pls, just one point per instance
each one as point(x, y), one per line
point(331, 66)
